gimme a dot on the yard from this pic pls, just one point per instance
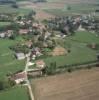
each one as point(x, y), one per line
point(79, 85)
point(16, 93)
point(8, 63)
point(80, 53)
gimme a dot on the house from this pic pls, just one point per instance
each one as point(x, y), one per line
point(81, 28)
point(2, 35)
point(21, 23)
point(47, 34)
point(23, 31)
point(59, 51)
point(28, 43)
point(20, 56)
point(19, 77)
point(40, 64)
point(35, 52)
point(35, 25)
point(9, 33)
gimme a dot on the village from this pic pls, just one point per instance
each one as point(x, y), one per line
point(40, 38)
point(38, 49)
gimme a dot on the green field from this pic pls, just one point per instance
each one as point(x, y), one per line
point(3, 24)
point(16, 93)
point(74, 9)
point(8, 63)
point(9, 10)
point(80, 53)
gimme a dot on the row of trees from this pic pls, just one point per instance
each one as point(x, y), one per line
point(20, 48)
point(53, 68)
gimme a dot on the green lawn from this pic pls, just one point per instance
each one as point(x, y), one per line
point(8, 63)
point(80, 53)
point(16, 93)
point(85, 37)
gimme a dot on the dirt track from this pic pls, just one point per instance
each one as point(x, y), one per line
point(79, 85)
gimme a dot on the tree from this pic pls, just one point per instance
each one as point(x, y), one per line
point(51, 69)
point(1, 85)
point(69, 8)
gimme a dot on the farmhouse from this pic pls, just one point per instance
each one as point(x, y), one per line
point(59, 51)
point(40, 64)
point(19, 77)
point(20, 56)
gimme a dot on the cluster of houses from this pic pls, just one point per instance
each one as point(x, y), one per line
point(68, 25)
point(4, 34)
point(21, 77)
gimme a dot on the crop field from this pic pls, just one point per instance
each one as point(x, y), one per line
point(16, 93)
point(79, 85)
point(80, 53)
point(8, 63)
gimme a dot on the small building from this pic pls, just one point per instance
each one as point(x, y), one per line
point(19, 77)
point(2, 35)
point(21, 23)
point(47, 34)
point(81, 28)
point(40, 64)
point(23, 31)
point(20, 56)
point(9, 33)
point(36, 52)
point(28, 43)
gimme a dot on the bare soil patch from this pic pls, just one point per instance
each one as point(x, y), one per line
point(78, 85)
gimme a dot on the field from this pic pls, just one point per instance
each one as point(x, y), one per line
point(3, 24)
point(54, 8)
point(74, 9)
point(80, 53)
point(16, 93)
point(79, 85)
point(8, 63)
point(9, 10)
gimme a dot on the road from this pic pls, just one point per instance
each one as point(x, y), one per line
point(27, 80)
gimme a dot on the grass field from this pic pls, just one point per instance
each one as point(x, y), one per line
point(80, 53)
point(9, 10)
point(79, 85)
point(16, 93)
point(2, 24)
point(8, 62)
point(75, 9)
